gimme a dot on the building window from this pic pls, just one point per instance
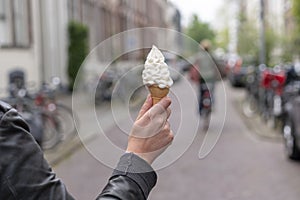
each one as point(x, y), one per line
point(15, 30)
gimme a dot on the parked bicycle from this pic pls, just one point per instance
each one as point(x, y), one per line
point(273, 82)
point(32, 115)
point(61, 116)
point(50, 122)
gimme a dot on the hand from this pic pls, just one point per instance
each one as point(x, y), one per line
point(151, 134)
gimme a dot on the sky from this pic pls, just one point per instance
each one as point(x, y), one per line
point(205, 9)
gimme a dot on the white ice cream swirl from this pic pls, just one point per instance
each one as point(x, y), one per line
point(156, 71)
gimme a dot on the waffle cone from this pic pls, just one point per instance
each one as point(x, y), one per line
point(157, 93)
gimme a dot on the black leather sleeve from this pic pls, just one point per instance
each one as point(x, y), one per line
point(24, 173)
point(133, 179)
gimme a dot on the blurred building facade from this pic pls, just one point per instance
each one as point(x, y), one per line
point(105, 18)
point(33, 33)
point(33, 38)
point(18, 38)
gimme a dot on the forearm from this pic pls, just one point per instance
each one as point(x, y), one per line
point(132, 179)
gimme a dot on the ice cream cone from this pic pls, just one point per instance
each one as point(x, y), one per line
point(157, 93)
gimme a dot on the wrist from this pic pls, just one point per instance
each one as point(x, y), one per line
point(148, 159)
point(143, 156)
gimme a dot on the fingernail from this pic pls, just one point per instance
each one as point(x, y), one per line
point(167, 98)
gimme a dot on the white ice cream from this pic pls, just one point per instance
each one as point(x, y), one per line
point(156, 71)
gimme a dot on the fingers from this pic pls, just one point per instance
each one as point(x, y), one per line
point(163, 139)
point(167, 126)
point(151, 133)
point(146, 106)
point(168, 113)
point(165, 102)
point(153, 119)
point(160, 108)
point(166, 129)
point(169, 138)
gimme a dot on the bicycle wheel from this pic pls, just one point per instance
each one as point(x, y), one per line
point(250, 107)
point(65, 117)
point(51, 135)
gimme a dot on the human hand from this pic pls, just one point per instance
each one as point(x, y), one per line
point(151, 134)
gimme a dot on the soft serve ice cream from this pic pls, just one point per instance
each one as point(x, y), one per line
point(156, 71)
point(156, 75)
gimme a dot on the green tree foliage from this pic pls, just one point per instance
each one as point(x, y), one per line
point(248, 39)
point(288, 48)
point(296, 11)
point(199, 30)
point(222, 39)
point(296, 34)
point(272, 40)
point(78, 49)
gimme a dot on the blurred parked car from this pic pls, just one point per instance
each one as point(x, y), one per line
point(237, 70)
point(291, 129)
point(291, 125)
point(237, 75)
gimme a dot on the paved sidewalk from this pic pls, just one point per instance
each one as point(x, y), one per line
point(87, 129)
point(256, 124)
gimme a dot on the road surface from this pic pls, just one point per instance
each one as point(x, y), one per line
point(241, 166)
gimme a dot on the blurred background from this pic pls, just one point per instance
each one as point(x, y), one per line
point(254, 44)
point(39, 33)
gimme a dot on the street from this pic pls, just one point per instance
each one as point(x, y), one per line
point(241, 165)
point(96, 57)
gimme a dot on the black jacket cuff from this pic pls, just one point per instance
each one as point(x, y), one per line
point(137, 169)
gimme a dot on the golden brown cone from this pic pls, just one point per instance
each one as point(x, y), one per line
point(157, 93)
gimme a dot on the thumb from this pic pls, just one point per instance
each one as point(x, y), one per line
point(146, 106)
